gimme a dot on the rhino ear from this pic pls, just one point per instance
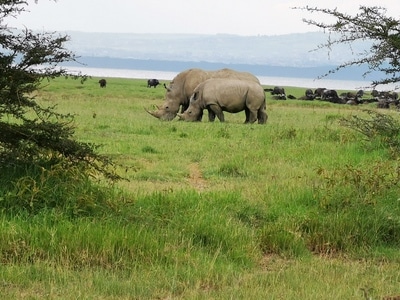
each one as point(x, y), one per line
point(195, 96)
point(167, 88)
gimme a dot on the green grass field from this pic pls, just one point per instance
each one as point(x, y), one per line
point(299, 208)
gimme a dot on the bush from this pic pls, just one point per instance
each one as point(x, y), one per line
point(379, 129)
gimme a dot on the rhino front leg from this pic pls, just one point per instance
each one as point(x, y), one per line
point(211, 115)
point(216, 109)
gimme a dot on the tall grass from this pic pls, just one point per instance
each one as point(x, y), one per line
point(208, 210)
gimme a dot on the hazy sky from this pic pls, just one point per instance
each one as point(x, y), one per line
point(242, 17)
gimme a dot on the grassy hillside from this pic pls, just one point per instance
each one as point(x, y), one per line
point(299, 208)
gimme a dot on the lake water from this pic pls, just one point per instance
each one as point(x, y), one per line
point(265, 80)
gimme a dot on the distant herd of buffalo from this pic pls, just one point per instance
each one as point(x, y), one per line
point(195, 90)
point(383, 99)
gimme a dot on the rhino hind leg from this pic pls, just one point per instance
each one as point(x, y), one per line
point(247, 112)
point(251, 116)
point(262, 116)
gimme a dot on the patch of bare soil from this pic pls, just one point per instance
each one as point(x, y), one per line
point(196, 179)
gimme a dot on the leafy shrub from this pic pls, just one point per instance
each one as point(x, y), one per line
point(379, 129)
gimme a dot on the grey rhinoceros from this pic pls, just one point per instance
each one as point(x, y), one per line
point(226, 94)
point(182, 86)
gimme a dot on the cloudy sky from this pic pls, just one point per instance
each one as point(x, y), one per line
point(242, 17)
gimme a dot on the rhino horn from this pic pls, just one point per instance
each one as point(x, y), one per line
point(153, 113)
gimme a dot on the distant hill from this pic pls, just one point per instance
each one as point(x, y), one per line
point(288, 55)
point(292, 50)
point(354, 73)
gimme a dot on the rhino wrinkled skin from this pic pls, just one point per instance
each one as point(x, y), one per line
point(231, 95)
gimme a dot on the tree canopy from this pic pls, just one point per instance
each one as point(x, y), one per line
point(31, 133)
point(369, 24)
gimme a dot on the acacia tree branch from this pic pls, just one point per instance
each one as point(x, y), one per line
point(369, 24)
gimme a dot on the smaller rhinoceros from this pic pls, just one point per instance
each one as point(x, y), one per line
point(225, 94)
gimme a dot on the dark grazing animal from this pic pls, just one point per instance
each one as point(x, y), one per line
point(309, 94)
point(319, 92)
point(360, 94)
point(329, 95)
point(278, 92)
point(152, 82)
point(102, 83)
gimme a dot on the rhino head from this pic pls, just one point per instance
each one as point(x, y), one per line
point(195, 110)
point(165, 112)
point(172, 103)
point(191, 115)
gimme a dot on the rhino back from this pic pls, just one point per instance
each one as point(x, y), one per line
point(229, 73)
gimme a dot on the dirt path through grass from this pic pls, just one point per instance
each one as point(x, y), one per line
point(196, 179)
